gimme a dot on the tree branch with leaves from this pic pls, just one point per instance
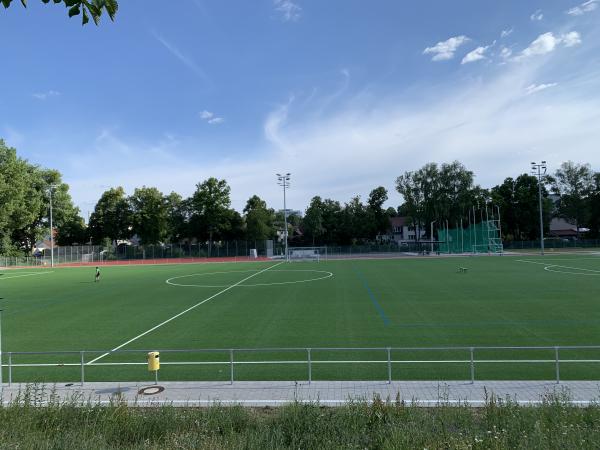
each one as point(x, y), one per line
point(85, 8)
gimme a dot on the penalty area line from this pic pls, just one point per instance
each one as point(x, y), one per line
point(180, 314)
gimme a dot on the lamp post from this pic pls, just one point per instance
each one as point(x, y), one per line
point(284, 181)
point(539, 170)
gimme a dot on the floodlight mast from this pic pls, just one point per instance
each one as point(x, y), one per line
point(539, 170)
point(284, 181)
point(50, 188)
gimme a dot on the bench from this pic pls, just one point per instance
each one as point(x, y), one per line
point(462, 270)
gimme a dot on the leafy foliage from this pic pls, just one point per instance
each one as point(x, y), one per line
point(259, 219)
point(112, 217)
point(24, 202)
point(87, 8)
point(573, 183)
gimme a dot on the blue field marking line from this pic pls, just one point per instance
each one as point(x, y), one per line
point(384, 317)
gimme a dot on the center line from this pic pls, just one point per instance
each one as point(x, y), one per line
point(182, 313)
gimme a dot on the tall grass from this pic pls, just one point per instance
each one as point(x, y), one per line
point(37, 419)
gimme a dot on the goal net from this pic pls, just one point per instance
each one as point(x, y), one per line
point(87, 257)
point(315, 254)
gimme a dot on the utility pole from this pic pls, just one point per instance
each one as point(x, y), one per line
point(284, 181)
point(539, 170)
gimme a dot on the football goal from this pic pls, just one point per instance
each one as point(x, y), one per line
point(315, 254)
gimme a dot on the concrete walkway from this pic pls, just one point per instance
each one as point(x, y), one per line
point(327, 393)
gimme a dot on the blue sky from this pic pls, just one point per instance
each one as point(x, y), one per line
point(344, 94)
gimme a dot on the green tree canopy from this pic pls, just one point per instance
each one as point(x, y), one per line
point(112, 217)
point(149, 215)
point(25, 199)
point(378, 217)
point(259, 219)
point(209, 206)
point(573, 183)
point(518, 201)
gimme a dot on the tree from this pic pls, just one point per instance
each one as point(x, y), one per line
point(88, 8)
point(593, 207)
point(149, 215)
point(355, 224)
point(16, 191)
point(177, 211)
point(72, 232)
point(112, 217)
point(445, 193)
point(24, 202)
point(573, 183)
point(233, 225)
point(210, 209)
point(379, 219)
point(518, 201)
point(312, 224)
point(259, 219)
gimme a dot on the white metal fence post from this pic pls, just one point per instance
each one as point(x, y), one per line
point(309, 366)
point(389, 364)
point(557, 365)
point(82, 367)
point(231, 365)
point(472, 366)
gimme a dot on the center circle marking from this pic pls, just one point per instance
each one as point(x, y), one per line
point(323, 274)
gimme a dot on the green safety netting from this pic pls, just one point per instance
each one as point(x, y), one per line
point(481, 237)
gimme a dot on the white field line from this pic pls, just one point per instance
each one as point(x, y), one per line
point(182, 313)
point(327, 275)
point(25, 275)
point(549, 266)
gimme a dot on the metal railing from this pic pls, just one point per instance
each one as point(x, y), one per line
point(390, 357)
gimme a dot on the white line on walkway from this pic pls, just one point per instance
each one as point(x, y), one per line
point(182, 313)
point(25, 275)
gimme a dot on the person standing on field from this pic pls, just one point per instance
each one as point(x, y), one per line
point(97, 274)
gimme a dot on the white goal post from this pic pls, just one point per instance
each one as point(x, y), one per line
point(315, 254)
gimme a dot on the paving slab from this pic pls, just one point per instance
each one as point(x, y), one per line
point(326, 393)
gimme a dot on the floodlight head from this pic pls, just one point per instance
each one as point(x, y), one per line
point(543, 162)
point(533, 163)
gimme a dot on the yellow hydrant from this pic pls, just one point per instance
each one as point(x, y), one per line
point(154, 363)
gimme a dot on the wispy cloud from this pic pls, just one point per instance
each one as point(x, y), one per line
point(45, 95)
point(548, 42)
point(537, 16)
point(505, 53)
point(583, 8)
point(533, 88)
point(475, 55)
point(210, 118)
point(445, 50)
point(183, 58)
point(289, 11)
point(571, 39)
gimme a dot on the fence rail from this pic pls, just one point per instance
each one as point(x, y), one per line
point(388, 357)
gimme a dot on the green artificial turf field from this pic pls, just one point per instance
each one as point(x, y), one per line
point(426, 302)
